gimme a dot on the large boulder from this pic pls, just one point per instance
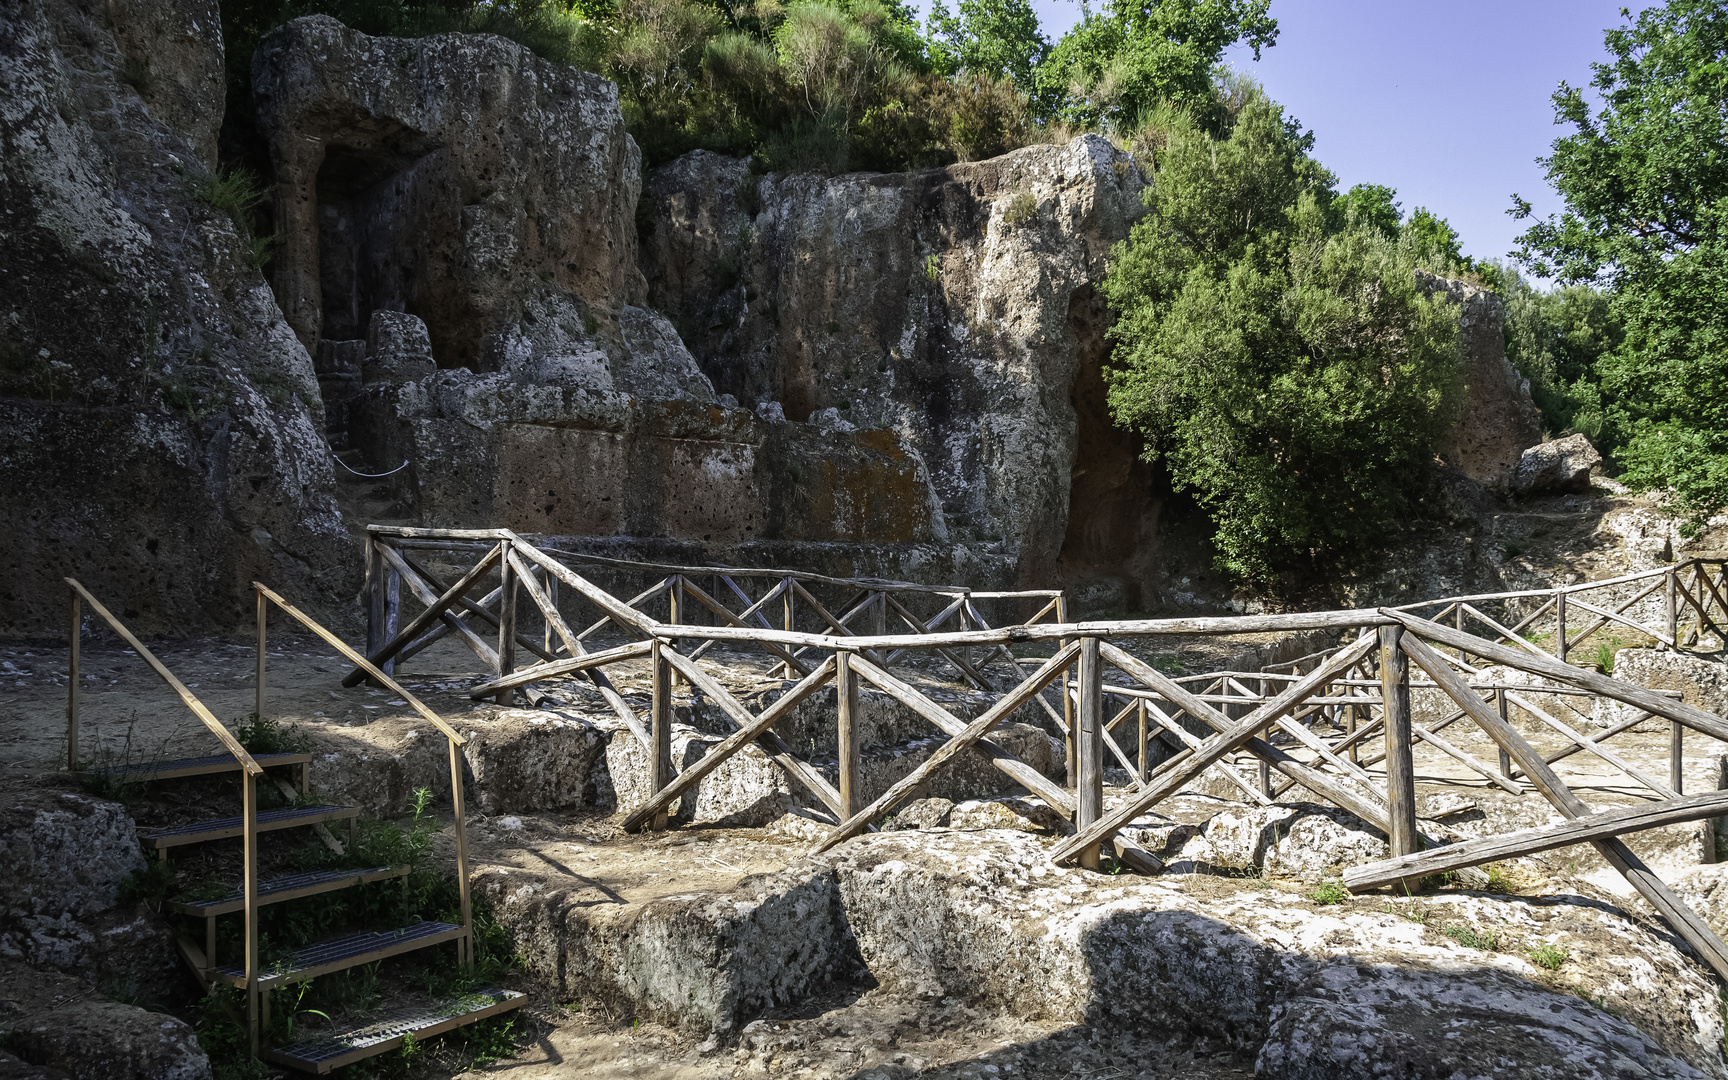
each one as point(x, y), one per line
point(1361, 989)
point(159, 423)
point(67, 855)
point(55, 1023)
point(1560, 466)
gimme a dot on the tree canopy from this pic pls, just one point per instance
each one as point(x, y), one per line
point(1644, 177)
point(1276, 351)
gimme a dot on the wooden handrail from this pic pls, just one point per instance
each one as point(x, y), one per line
point(217, 728)
point(361, 662)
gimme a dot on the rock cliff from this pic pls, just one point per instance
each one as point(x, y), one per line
point(160, 426)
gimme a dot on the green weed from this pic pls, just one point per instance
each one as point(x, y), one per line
point(1021, 209)
point(1487, 941)
point(264, 735)
point(1550, 956)
point(1409, 912)
point(1329, 892)
point(149, 886)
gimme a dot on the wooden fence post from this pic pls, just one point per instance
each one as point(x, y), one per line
point(552, 595)
point(660, 724)
point(258, 694)
point(675, 615)
point(1671, 612)
point(1072, 776)
point(1400, 770)
point(249, 894)
point(787, 616)
point(73, 675)
point(383, 603)
point(506, 620)
point(1560, 624)
point(1676, 756)
point(847, 736)
point(459, 811)
point(1142, 762)
point(1505, 758)
point(1090, 744)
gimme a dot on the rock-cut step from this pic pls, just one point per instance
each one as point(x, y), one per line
point(327, 1052)
point(198, 832)
point(192, 766)
point(294, 887)
point(341, 953)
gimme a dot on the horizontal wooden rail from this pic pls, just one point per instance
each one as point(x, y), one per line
point(1513, 845)
point(635, 650)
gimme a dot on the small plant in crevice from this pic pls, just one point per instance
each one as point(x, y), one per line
point(1550, 956)
point(1409, 912)
point(150, 885)
point(264, 735)
point(1486, 940)
point(1329, 892)
point(1021, 209)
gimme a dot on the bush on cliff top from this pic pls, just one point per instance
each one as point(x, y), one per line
point(829, 85)
point(1276, 352)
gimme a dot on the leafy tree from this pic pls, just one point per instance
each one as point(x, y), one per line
point(997, 38)
point(1372, 206)
point(1295, 376)
point(1115, 66)
point(1645, 181)
point(1437, 241)
point(1556, 338)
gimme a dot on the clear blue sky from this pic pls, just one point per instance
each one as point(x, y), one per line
point(1445, 100)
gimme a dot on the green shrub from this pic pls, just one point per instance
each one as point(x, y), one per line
point(1290, 370)
point(1329, 892)
point(1021, 209)
point(1487, 941)
point(1550, 956)
point(266, 735)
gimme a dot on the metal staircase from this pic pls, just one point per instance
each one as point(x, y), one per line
point(324, 1051)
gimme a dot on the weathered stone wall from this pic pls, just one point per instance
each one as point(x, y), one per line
point(952, 307)
point(159, 423)
point(452, 177)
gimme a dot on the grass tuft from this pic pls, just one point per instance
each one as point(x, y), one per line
point(1550, 956)
point(1329, 892)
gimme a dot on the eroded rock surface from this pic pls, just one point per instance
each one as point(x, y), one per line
point(1364, 988)
point(66, 855)
point(55, 1023)
point(159, 423)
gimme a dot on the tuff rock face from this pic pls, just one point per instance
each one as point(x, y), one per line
point(66, 855)
point(455, 177)
point(1499, 420)
point(952, 307)
point(1362, 989)
point(62, 1030)
point(159, 423)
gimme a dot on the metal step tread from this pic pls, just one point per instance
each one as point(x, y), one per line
point(349, 950)
point(222, 828)
point(293, 887)
point(326, 1052)
point(195, 766)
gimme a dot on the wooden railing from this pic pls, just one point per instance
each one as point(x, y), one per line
point(1320, 726)
point(250, 770)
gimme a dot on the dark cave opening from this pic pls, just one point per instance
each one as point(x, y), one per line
point(389, 237)
point(1115, 499)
